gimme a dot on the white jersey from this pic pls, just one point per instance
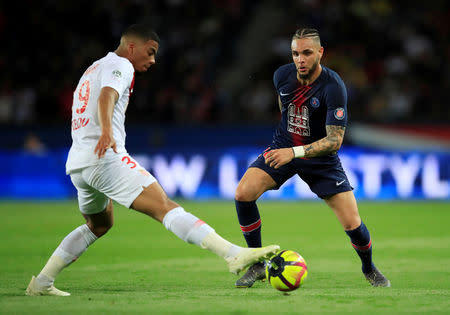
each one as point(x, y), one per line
point(112, 71)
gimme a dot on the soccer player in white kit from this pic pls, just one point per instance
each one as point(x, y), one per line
point(101, 169)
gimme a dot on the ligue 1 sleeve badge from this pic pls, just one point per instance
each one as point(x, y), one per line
point(339, 113)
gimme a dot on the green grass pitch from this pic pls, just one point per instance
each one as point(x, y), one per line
point(139, 267)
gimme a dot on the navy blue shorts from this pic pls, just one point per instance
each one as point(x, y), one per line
point(324, 175)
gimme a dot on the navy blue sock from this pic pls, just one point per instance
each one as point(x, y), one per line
point(360, 238)
point(250, 222)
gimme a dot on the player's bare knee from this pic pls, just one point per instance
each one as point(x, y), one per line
point(101, 229)
point(351, 223)
point(102, 222)
point(348, 227)
point(164, 205)
point(243, 194)
point(167, 205)
point(355, 224)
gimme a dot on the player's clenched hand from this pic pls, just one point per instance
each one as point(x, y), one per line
point(278, 157)
point(105, 142)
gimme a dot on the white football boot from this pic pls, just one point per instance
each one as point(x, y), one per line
point(249, 256)
point(34, 289)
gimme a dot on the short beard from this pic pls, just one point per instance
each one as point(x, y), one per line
point(307, 76)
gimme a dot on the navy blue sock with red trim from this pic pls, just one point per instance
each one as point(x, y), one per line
point(250, 222)
point(360, 238)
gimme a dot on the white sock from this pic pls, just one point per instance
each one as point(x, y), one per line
point(220, 246)
point(71, 247)
point(193, 230)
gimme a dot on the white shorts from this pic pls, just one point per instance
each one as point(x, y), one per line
point(119, 178)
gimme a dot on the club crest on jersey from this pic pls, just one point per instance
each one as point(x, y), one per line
point(314, 102)
point(339, 113)
point(117, 73)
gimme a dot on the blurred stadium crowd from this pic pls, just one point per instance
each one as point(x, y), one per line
point(217, 58)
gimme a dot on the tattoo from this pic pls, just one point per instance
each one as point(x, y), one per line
point(330, 144)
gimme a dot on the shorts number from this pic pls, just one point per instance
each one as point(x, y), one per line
point(83, 96)
point(129, 161)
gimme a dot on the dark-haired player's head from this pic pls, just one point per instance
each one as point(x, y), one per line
point(141, 31)
point(306, 52)
point(139, 43)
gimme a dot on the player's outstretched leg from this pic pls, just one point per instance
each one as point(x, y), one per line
point(72, 246)
point(362, 243)
point(193, 230)
point(254, 273)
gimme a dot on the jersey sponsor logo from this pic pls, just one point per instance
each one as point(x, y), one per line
point(339, 113)
point(79, 123)
point(298, 120)
point(314, 102)
point(340, 183)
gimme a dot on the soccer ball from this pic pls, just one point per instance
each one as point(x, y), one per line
point(286, 271)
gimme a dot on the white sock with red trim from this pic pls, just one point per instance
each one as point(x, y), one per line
point(193, 230)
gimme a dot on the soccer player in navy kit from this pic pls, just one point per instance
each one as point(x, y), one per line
point(313, 104)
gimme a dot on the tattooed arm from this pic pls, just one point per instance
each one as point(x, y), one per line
point(330, 144)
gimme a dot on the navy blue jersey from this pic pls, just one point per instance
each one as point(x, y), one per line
point(306, 110)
